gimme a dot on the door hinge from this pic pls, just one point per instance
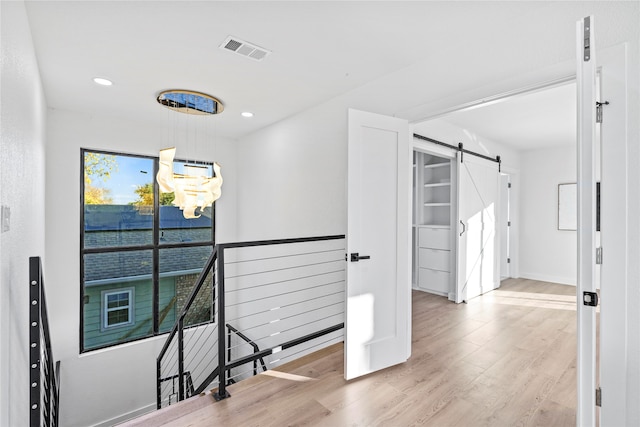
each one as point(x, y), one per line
point(599, 110)
point(599, 397)
point(508, 260)
point(509, 185)
point(508, 223)
point(599, 255)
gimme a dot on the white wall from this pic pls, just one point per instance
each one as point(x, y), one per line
point(103, 384)
point(22, 146)
point(546, 253)
point(293, 177)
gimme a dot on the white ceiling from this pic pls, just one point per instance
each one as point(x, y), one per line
point(320, 50)
point(540, 119)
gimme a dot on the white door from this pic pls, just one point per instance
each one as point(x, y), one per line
point(615, 194)
point(378, 293)
point(477, 243)
point(586, 136)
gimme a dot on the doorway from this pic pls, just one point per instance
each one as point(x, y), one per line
point(534, 133)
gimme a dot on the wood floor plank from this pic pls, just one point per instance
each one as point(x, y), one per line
point(503, 359)
point(553, 414)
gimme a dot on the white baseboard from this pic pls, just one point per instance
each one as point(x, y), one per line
point(571, 281)
point(128, 416)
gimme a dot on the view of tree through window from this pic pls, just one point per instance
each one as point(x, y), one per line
point(138, 265)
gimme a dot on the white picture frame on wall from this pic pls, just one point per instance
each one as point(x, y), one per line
point(567, 206)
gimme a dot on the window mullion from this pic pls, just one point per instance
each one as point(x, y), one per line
point(156, 250)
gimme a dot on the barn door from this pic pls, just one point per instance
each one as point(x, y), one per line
point(477, 242)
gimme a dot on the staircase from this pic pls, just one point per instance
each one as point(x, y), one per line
point(278, 299)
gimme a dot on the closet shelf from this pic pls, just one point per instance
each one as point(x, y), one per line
point(447, 227)
point(438, 184)
point(437, 204)
point(436, 165)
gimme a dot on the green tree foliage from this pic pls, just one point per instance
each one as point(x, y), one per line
point(98, 167)
point(145, 196)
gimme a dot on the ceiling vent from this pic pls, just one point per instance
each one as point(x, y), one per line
point(244, 48)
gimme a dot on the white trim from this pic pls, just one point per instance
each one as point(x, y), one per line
point(483, 102)
point(128, 416)
point(569, 281)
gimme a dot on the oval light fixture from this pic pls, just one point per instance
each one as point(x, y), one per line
point(102, 81)
point(190, 102)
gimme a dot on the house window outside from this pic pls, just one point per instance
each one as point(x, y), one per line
point(117, 308)
point(139, 255)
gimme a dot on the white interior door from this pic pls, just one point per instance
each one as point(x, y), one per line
point(614, 236)
point(378, 300)
point(478, 212)
point(586, 136)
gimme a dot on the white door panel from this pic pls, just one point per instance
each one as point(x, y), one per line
point(586, 150)
point(378, 303)
point(478, 212)
point(614, 236)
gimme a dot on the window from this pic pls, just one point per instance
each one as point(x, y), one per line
point(117, 308)
point(139, 256)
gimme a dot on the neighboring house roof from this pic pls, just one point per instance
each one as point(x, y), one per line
point(126, 225)
point(130, 217)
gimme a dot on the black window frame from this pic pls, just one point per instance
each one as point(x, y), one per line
point(155, 246)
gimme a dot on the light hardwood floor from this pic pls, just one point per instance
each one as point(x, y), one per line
point(504, 359)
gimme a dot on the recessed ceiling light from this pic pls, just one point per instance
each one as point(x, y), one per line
point(247, 114)
point(102, 81)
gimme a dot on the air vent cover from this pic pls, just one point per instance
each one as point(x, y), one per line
point(243, 48)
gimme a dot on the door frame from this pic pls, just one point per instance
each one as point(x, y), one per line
point(504, 228)
point(615, 271)
point(421, 146)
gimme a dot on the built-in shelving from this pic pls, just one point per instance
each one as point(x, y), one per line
point(433, 195)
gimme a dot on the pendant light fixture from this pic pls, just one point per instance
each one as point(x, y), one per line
point(194, 189)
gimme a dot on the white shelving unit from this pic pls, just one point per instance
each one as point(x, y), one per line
point(434, 248)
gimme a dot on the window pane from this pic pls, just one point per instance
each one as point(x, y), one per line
point(174, 228)
point(118, 317)
point(179, 270)
point(104, 275)
point(118, 200)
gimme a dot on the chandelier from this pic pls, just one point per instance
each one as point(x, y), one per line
point(194, 189)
